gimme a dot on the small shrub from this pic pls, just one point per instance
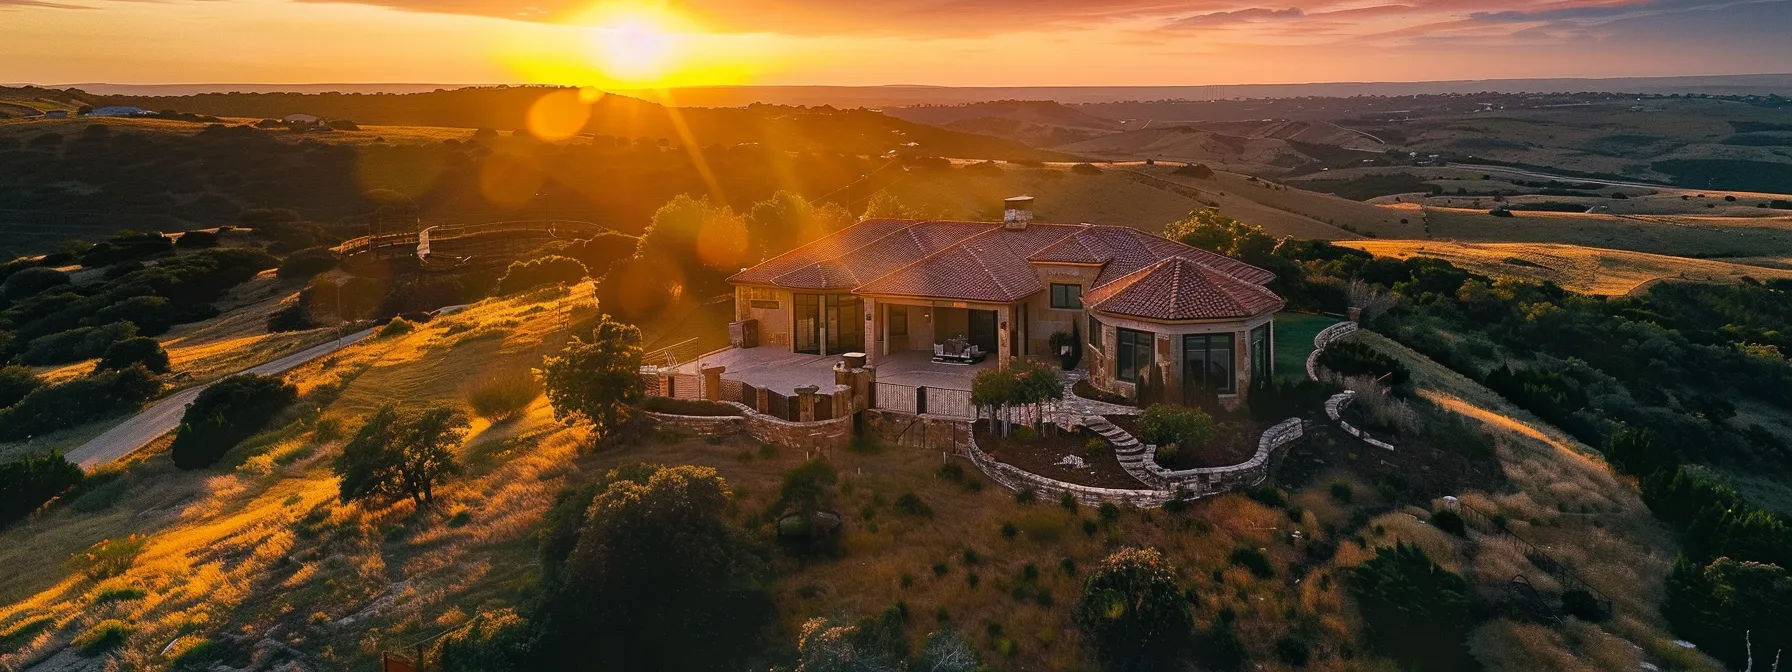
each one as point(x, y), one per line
point(1085, 169)
point(1164, 424)
point(908, 503)
point(501, 395)
point(1341, 493)
point(395, 328)
point(1582, 605)
point(1068, 501)
point(1009, 530)
point(109, 557)
point(120, 594)
point(1254, 560)
point(1025, 496)
point(103, 636)
point(1292, 652)
point(1108, 512)
point(1449, 521)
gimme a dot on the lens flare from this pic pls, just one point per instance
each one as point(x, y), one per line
point(560, 115)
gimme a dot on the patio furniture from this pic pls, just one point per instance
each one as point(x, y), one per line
point(958, 350)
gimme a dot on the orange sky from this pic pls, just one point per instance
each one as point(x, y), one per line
point(857, 42)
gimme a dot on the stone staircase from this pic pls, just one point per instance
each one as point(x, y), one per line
point(1127, 448)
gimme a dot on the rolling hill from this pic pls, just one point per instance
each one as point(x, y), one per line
point(1589, 270)
point(1040, 123)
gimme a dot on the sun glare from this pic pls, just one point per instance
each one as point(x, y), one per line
point(635, 49)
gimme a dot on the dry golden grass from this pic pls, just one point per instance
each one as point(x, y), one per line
point(1654, 234)
point(1565, 499)
point(1588, 270)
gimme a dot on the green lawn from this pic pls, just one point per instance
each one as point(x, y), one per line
point(1294, 341)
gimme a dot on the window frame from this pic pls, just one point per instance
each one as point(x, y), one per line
point(1066, 296)
point(1207, 349)
point(1263, 361)
point(1127, 365)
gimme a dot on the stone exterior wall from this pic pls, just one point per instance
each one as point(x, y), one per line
point(834, 434)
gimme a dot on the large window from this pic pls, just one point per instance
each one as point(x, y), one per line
point(1134, 354)
point(1207, 363)
point(834, 319)
point(1067, 297)
point(1262, 356)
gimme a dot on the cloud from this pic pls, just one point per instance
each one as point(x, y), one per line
point(1594, 14)
point(1251, 15)
point(41, 4)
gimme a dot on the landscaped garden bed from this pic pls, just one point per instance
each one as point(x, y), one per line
point(1041, 453)
point(1231, 441)
point(696, 407)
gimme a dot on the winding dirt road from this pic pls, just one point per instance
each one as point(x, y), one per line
point(165, 415)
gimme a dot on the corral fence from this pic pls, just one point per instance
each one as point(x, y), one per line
point(924, 400)
point(1495, 529)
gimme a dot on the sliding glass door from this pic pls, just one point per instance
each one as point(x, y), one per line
point(834, 320)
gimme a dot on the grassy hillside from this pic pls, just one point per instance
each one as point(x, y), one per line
point(1587, 270)
point(258, 553)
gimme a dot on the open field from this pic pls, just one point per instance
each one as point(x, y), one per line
point(1587, 270)
point(1680, 236)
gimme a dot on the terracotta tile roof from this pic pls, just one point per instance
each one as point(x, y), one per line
point(1179, 288)
point(989, 267)
point(982, 261)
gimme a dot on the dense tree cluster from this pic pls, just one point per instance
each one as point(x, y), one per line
point(27, 482)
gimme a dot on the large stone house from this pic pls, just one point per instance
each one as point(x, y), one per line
point(1139, 302)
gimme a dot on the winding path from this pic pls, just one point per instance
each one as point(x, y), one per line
point(163, 416)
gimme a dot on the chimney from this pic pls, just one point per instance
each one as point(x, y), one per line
point(1017, 212)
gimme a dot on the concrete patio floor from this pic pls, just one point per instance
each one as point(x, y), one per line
point(783, 371)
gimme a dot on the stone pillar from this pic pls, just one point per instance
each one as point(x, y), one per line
point(843, 401)
point(1004, 335)
point(712, 382)
point(873, 331)
point(806, 403)
point(861, 381)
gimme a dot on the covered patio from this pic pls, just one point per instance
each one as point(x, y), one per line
point(782, 371)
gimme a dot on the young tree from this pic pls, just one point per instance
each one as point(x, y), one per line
point(884, 205)
point(1133, 611)
point(401, 455)
point(597, 380)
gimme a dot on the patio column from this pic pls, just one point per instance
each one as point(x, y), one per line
point(806, 402)
point(1004, 335)
point(712, 382)
point(874, 329)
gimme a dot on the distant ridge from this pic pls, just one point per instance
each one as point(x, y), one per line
point(918, 94)
point(104, 89)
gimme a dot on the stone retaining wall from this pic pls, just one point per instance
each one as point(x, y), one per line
point(1207, 481)
point(700, 425)
point(1017, 479)
point(919, 431)
point(1334, 409)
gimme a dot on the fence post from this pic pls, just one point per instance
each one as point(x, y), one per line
point(921, 401)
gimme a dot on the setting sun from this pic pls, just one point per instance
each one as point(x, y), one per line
point(635, 49)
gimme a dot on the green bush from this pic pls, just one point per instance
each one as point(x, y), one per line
point(76, 344)
point(1413, 610)
point(153, 315)
point(909, 503)
point(396, 327)
point(15, 383)
point(197, 240)
point(132, 351)
point(32, 281)
point(225, 413)
point(1133, 611)
point(71, 403)
point(1164, 424)
point(26, 483)
point(497, 642)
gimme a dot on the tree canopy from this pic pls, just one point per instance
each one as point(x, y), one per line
point(401, 454)
point(597, 380)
